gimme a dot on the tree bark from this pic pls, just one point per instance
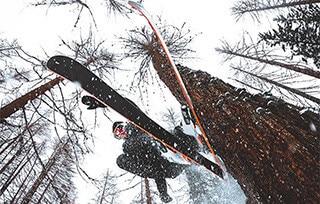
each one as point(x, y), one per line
point(270, 147)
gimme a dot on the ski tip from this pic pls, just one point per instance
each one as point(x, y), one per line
point(137, 6)
point(55, 60)
point(133, 4)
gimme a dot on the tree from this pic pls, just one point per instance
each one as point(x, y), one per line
point(140, 42)
point(255, 7)
point(64, 191)
point(262, 55)
point(270, 149)
point(262, 151)
point(295, 91)
point(108, 190)
point(256, 62)
point(23, 122)
point(20, 102)
point(299, 31)
point(85, 49)
point(33, 113)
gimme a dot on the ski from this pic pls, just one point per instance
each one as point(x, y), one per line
point(73, 71)
point(145, 13)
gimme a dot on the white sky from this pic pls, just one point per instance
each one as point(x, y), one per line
point(41, 28)
point(38, 28)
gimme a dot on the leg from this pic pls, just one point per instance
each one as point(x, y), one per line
point(136, 165)
point(162, 188)
point(130, 164)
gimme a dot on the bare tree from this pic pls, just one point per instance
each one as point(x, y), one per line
point(63, 192)
point(171, 117)
point(140, 43)
point(79, 4)
point(295, 91)
point(258, 61)
point(86, 50)
point(27, 174)
point(41, 107)
point(255, 7)
point(261, 54)
point(108, 190)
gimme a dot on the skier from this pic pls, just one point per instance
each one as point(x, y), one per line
point(143, 155)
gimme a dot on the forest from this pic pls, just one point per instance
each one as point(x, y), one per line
point(260, 105)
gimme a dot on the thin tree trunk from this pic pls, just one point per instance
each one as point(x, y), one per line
point(276, 6)
point(23, 184)
point(104, 188)
point(44, 173)
point(148, 194)
point(309, 72)
point(15, 173)
point(20, 102)
point(292, 90)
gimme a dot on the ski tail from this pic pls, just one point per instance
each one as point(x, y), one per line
point(145, 13)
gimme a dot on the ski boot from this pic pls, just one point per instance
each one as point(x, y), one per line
point(165, 198)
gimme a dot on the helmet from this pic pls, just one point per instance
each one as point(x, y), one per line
point(118, 129)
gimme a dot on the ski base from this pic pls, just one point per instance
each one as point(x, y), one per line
point(73, 71)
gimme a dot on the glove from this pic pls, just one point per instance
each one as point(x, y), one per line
point(178, 131)
point(162, 147)
point(91, 102)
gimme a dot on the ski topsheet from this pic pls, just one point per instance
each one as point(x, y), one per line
point(145, 13)
point(73, 71)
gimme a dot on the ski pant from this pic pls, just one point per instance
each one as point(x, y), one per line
point(155, 167)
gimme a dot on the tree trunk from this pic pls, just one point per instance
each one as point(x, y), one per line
point(292, 67)
point(148, 193)
point(20, 102)
point(45, 171)
point(267, 145)
point(276, 6)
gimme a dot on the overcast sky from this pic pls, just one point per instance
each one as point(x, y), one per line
point(42, 27)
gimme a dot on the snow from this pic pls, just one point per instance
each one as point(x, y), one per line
point(260, 110)
point(77, 84)
point(313, 127)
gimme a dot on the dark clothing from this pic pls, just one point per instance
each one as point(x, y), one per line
point(142, 156)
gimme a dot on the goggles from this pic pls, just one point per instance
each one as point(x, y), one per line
point(119, 132)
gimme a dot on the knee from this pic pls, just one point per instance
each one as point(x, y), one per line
point(121, 161)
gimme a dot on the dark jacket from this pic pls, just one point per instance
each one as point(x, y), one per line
point(142, 156)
